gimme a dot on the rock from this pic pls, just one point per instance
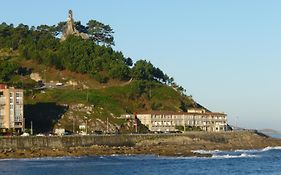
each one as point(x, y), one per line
point(80, 105)
point(72, 83)
point(36, 77)
point(85, 86)
point(71, 30)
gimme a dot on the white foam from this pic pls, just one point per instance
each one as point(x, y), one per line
point(206, 151)
point(258, 150)
point(247, 150)
point(228, 156)
point(115, 155)
point(271, 148)
point(238, 150)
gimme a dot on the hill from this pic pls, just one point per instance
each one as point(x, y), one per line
point(90, 102)
point(87, 102)
point(82, 84)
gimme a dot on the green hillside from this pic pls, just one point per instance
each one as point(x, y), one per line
point(107, 103)
point(96, 84)
point(57, 107)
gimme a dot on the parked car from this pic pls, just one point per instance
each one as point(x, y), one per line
point(40, 135)
point(25, 134)
point(59, 84)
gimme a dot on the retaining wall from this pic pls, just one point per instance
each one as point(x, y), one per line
point(72, 141)
point(109, 140)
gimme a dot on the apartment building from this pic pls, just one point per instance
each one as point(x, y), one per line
point(11, 109)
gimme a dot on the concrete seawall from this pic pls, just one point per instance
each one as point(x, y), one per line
point(73, 141)
point(239, 138)
point(156, 144)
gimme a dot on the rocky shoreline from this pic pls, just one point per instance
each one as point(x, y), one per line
point(179, 145)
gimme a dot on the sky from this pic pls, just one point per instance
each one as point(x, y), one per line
point(226, 54)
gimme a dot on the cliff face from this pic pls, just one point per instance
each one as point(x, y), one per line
point(70, 28)
point(82, 115)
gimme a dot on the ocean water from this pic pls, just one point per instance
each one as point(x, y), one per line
point(275, 135)
point(262, 161)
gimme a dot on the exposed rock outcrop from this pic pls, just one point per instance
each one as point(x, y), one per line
point(87, 115)
point(70, 28)
point(36, 77)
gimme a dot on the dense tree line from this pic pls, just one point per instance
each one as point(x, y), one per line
point(93, 56)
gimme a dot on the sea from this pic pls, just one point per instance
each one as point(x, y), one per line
point(240, 162)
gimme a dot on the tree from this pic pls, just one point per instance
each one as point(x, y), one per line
point(183, 106)
point(60, 28)
point(81, 28)
point(7, 69)
point(170, 80)
point(100, 33)
point(129, 61)
point(158, 74)
point(45, 29)
point(143, 70)
point(120, 71)
point(182, 90)
point(5, 35)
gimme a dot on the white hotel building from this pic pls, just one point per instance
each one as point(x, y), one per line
point(168, 121)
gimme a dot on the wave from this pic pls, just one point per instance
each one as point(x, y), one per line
point(247, 150)
point(206, 151)
point(228, 156)
point(269, 148)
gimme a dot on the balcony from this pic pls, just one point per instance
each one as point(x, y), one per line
point(18, 125)
point(18, 120)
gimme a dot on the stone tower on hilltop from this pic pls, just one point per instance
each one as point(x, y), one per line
point(70, 28)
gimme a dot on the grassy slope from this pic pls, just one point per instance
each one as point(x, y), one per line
point(109, 100)
point(118, 99)
point(116, 96)
point(108, 103)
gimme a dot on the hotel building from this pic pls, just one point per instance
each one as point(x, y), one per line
point(158, 121)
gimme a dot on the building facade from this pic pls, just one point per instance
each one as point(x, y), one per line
point(11, 109)
point(170, 121)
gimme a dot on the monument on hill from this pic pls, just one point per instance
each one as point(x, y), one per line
point(70, 28)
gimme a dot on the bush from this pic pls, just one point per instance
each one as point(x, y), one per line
point(100, 78)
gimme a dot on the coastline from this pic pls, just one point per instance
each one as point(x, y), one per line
point(162, 145)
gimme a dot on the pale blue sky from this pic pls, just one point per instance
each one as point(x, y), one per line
point(226, 54)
